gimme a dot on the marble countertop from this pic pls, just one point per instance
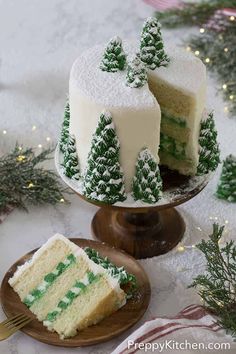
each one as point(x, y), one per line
point(40, 39)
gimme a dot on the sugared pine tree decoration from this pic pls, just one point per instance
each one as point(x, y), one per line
point(65, 129)
point(103, 180)
point(147, 182)
point(71, 163)
point(114, 58)
point(209, 153)
point(152, 50)
point(136, 73)
point(227, 186)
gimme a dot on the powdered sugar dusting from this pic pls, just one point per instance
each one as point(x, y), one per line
point(107, 88)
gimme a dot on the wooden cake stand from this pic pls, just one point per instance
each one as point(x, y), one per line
point(148, 230)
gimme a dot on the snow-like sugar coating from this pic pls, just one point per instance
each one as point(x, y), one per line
point(107, 88)
point(185, 71)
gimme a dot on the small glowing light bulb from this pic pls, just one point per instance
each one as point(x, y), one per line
point(207, 60)
point(226, 50)
point(197, 52)
point(34, 128)
point(180, 248)
point(30, 185)
point(4, 132)
point(224, 86)
point(62, 200)
point(188, 49)
point(20, 158)
point(231, 97)
point(226, 109)
point(40, 146)
point(48, 138)
point(202, 30)
point(232, 18)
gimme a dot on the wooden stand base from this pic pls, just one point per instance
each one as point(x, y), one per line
point(141, 234)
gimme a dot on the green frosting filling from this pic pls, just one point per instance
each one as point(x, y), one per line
point(172, 147)
point(173, 120)
point(48, 280)
point(79, 288)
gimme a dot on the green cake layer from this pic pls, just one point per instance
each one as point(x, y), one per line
point(173, 147)
point(175, 127)
point(48, 280)
point(174, 138)
point(78, 288)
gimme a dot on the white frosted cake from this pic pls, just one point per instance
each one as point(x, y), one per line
point(155, 102)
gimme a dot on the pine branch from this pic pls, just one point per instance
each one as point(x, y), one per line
point(220, 50)
point(191, 14)
point(23, 183)
point(217, 287)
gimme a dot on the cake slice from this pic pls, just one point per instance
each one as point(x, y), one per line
point(65, 289)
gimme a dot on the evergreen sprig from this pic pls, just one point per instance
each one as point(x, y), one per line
point(222, 62)
point(217, 287)
point(24, 181)
point(215, 46)
point(190, 14)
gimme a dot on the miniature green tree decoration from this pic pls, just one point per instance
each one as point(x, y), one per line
point(65, 129)
point(227, 187)
point(147, 182)
point(104, 179)
point(71, 164)
point(136, 73)
point(152, 51)
point(209, 153)
point(114, 58)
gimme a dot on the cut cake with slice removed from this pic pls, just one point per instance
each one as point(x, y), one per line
point(65, 289)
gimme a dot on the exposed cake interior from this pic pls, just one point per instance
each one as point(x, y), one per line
point(65, 289)
point(180, 90)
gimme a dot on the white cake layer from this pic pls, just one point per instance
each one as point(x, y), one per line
point(185, 78)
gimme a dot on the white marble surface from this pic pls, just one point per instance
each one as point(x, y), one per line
point(39, 41)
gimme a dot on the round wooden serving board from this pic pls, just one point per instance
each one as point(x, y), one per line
point(107, 329)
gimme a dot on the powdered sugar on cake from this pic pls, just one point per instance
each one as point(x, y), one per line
point(108, 89)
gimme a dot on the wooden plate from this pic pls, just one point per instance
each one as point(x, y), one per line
point(107, 329)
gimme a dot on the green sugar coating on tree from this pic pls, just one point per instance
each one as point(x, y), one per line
point(114, 58)
point(227, 186)
point(152, 50)
point(147, 182)
point(136, 73)
point(209, 153)
point(65, 129)
point(71, 163)
point(104, 180)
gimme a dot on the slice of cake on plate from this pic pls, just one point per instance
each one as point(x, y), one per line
point(65, 289)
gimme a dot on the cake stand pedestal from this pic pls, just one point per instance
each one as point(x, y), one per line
point(142, 234)
point(143, 231)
